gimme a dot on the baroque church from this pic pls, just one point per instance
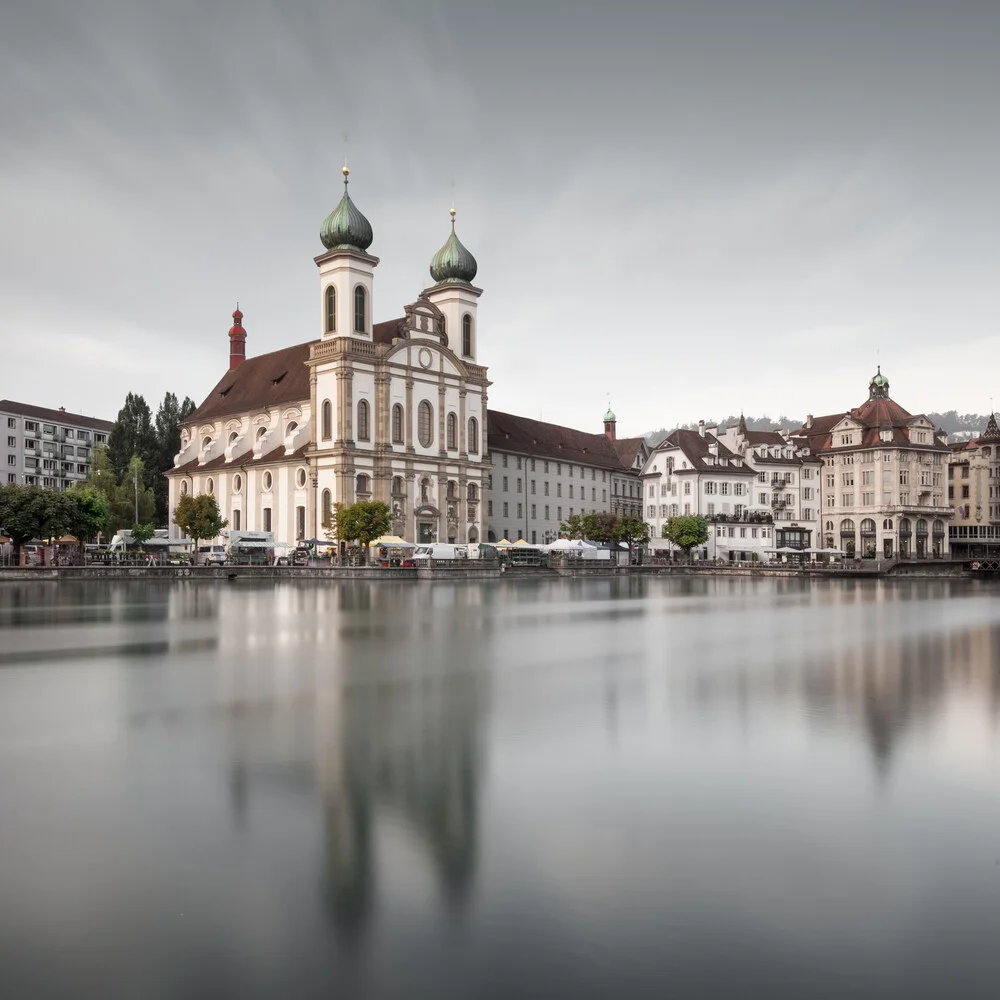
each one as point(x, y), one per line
point(392, 411)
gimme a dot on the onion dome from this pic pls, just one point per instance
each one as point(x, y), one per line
point(237, 328)
point(453, 262)
point(345, 227)
point(878, 388)
point(609, 417)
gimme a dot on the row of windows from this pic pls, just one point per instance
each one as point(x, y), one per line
point(425, 425)
point(530, 463)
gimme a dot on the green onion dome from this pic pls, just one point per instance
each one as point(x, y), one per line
point(345, 227)
point(453, 262)
point(609, 417)
point(878, 388)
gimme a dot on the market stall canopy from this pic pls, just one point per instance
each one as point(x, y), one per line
point(505, 543)
point(393, 541)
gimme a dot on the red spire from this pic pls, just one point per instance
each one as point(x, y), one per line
point(237, 340)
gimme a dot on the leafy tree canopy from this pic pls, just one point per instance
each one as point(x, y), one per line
point(133, 434)
point(198, 516)
point(686, 532)
point(143, 532)
point(365, 521)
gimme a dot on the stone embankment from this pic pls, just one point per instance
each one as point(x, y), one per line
point(476, 570)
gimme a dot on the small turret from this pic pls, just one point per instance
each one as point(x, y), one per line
point(609, 424)
point(237, 340)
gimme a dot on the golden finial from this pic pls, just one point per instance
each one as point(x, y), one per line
point(346, 171)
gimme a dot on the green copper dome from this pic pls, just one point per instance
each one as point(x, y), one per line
point(878, 388)
point(345, 227)
point(609, 416)
point(453, 262)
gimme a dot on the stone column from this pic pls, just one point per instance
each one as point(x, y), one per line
point(442, 450)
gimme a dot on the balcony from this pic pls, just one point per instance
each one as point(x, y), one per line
point(747, 517)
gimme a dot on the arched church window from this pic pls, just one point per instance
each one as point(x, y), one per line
point(364, 431)
point(425, 424)
point(360, 310)
point(472, 492)
point(362, 485)
point(398, 488)
point(327, 507)
point(233, 437)
point(327, 420)
point(473, 436)
point(397, 424)
point(467, 335)
point(452, 431)
point(206, 444)
point(331, 309)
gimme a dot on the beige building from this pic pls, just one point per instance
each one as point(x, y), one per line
point(883, 479)
point(974, 494)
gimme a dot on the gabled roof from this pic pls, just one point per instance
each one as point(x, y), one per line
point(511, 433)
point(696, 449)
point(629, 448)
point(874, 416)
point(265, 380)
point(54, 416)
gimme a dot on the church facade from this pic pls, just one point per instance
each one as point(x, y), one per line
point(392, 411)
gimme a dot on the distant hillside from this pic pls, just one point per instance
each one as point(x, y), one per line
point(957, 425)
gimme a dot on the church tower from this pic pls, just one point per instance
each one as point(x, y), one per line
point(237, 340)
point(346, 271)
point(453, 269)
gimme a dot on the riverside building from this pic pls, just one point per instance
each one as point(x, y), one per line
point(392, 411)
point(50, 448)
point(883, 479)
point(974, 495)
point(542, 474)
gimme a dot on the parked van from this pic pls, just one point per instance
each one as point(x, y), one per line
point(212, 554)
point(440, 550)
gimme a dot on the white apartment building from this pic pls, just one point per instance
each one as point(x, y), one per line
point(974, 494)
point(50, 448)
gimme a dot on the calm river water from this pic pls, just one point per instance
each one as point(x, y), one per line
point(615, 788)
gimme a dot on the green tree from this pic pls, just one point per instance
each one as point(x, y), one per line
point(601, 526)
point(632, 529)
point(133, 434)
point(90, 511)
point(365, 521)
point(169, 418)
point(28, 512)
point(142, 533)
point(686, 532)
point(198, 516)
point(574, 527)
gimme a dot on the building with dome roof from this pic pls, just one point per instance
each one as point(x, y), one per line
point(392, 411)
point(883, 479)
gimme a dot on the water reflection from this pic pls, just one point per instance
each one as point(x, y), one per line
point(583, 788)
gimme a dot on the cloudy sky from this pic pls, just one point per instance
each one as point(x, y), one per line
point(695, 207)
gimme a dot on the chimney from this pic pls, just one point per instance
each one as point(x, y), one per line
point(809, 420)
point(237, 340)
point(701, 427)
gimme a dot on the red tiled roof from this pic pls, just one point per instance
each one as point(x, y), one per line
point(511, 433)
point(265, 380)
point(874, 416)
point(54, 416)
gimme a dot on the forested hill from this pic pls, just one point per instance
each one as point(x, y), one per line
point(959, 425)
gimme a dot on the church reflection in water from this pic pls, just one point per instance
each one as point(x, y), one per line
point(385, 742)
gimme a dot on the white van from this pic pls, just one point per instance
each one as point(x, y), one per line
point(212, 554)
point(440, 550)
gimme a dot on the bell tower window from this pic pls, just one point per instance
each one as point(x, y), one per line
point(467, 335)
point(331, 309)
point(360, 310)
